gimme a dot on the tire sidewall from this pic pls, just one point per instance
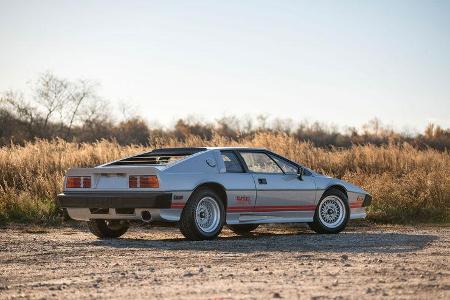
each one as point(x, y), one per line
point(324, 227)
point(199, 195)
point(99, 228)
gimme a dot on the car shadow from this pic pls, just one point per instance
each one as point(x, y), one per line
point(352, 242)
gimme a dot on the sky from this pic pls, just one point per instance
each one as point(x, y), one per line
point(336, 62)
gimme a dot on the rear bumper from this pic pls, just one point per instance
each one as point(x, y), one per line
point(115, 200)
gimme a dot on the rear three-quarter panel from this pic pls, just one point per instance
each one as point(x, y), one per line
point(207, 169)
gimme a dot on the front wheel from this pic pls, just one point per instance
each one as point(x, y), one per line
point(332, 213)
point(107, 228)
point(203, 216)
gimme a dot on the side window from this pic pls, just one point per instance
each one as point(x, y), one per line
point(260, 162)
point(287, 167)
point(232, 164)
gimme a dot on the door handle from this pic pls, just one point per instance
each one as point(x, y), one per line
point(262, 181)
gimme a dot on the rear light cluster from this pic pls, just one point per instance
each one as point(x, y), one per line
point(143, 181)
point(73, 182)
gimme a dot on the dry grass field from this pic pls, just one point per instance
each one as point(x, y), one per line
point(408, 185)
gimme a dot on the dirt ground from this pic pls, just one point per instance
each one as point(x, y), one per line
point(366, 261)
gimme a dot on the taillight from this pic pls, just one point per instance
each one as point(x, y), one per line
point(87, 182)
point(143, 181)
point(73, 182)
point(148, 181)
point(133, 182)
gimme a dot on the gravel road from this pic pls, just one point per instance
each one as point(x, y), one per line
point(366, 261)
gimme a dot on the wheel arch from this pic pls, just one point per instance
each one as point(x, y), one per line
point(318, 226)
point(215, 186)
point(337, 187)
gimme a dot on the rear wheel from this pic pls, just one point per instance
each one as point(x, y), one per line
point(332, 213)
point(108, 228)
point(243, 229)
point(203, 216)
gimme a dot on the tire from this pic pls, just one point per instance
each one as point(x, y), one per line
point(107, 229)
point(336, 217)
point(203, 216)
point(243, 229)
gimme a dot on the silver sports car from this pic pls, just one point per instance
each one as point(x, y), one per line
point(205, 188)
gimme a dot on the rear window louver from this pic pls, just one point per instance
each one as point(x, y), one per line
point(158, 156)
point(148, 160)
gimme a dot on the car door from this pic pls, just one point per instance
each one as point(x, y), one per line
point(278, 187)
point(240, 186)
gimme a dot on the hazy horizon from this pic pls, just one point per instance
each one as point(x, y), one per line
point(339, 63)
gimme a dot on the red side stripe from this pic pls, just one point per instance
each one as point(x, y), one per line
point(271, 208)
point(177, 205)
point(356, 204)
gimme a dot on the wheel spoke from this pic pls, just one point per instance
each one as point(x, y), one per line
point(207, 214)
point(332, 211)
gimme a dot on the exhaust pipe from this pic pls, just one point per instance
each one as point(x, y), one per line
point(146, 216)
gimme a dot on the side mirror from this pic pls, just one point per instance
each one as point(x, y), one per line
point(300, 172)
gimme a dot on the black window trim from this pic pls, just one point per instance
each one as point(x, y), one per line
point(269, 154)
point(259, 151)
point(309, 173)
point(240, 160)
point(287, 162)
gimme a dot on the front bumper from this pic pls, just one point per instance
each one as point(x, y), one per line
point(115, 200)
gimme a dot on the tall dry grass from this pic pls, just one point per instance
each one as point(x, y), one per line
point(408, 185)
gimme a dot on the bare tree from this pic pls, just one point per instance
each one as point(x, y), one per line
point(96, 109)
point(228, 126)
point(283, 125)
point(80, 94)
point(73, 101)
point(23, 118)
point(262, 121)
point(246, 123)
point(51, 93)
point(373, 127)
point(128, 110)
point(15, 103)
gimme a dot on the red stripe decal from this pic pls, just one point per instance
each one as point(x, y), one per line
point(356, 204)
point(271, 208)
point(177, 205)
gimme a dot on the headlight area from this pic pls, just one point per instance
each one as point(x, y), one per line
point(143, 181)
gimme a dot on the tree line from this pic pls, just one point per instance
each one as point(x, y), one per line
point(73, 110)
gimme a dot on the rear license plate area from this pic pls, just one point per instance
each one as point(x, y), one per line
point(125, 211)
